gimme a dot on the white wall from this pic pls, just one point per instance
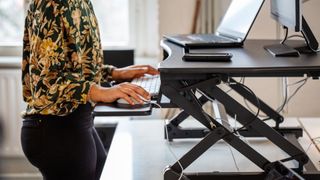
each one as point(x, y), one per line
point(305, 103)
point(176, 18)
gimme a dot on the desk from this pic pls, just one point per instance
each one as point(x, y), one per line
point(250, 61)
point(180, 80)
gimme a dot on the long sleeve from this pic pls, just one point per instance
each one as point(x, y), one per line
point(62, 56)
point(25, 67)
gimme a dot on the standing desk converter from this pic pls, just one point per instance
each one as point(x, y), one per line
point(180, 80)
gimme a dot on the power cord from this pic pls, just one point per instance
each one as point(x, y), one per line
point(296, 35)
point(314, 141)
point(242, 81)
point(235, 131)
point(303, 81)
point(258, 106)
point(169, 147)
point(286, 35)
point(286, 99)
point(229, 146)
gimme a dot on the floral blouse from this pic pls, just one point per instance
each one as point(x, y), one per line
point(62, 56)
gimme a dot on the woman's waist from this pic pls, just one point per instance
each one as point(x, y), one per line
point(81, 117)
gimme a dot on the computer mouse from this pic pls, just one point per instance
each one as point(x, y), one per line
point(122, 103)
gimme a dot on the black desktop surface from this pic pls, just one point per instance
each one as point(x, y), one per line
point(250, 60)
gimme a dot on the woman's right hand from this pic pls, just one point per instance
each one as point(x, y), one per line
point(124, 90)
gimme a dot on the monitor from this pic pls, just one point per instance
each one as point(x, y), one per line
point(288, 13)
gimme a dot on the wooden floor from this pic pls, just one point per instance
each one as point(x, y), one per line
point(20, 169)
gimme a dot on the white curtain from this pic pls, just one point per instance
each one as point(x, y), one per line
point(205, 20)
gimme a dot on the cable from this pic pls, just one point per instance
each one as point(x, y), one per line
point(286, 35)
point(283, 104)
point(174, 155)
point(158, 105)
point(300, 36)
point(237, 133)
point(242, 79)
point(317, 139)
point(313, 142)
point(286, 99)
point(298, 88)
point(295, 35)
point(226, 121)
point(169, 147)
point(185, 83)
point(258, 107)
point(234, 158)
point(235, 130)
point(297, 82)
point(257, 101)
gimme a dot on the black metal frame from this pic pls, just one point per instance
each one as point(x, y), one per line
point(181, 91)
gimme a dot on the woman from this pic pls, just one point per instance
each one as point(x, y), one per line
point(61, 72)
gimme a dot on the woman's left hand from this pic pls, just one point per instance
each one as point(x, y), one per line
point(131, 72)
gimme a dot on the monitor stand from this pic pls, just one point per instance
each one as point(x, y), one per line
point(308, 35)
point(310, 45)
point(282, 50)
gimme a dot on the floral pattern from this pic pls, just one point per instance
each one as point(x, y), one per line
point(62, 56)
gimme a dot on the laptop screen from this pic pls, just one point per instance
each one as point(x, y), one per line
point(239, 18)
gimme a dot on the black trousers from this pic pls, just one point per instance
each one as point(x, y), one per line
point(64, 148)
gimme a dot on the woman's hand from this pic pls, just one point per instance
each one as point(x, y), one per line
point(131, 72)
point(124, 90)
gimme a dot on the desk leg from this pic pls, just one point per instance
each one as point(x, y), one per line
point(174, 131)
point(183, 114)
point(173, 173)
point(196, 111)
point(186, 99)
point(244, 117)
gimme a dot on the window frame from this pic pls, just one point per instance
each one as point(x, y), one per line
point(143, 31)
point(144, 27)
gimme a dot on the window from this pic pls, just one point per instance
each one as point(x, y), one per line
point(129, 23)
point(122, 23)
point(11, 21)
point(113, 17)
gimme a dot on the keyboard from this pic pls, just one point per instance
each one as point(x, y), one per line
point(149, 83)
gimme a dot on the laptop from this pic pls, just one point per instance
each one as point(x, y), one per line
point(232, 30)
